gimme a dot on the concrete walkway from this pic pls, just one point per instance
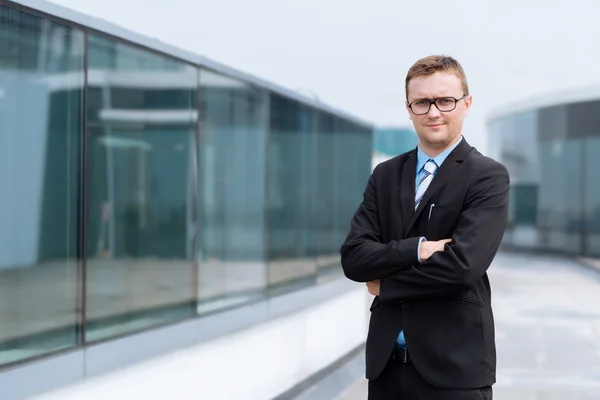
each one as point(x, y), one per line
point(547, 314)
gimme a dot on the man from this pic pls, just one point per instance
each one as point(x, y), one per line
point(429, 226)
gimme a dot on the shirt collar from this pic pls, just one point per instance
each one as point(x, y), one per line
point(439, 159)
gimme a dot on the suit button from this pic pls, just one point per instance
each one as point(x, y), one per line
point(405, 305)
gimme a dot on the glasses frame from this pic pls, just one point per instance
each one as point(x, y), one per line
point(433, 101)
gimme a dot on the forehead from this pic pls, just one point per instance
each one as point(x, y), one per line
point(435, 85)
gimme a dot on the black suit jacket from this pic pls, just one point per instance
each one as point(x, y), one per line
point(444, 304)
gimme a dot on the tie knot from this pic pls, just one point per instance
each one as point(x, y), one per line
point(430, 166)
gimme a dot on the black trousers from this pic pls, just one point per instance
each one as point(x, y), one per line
point(400, 381)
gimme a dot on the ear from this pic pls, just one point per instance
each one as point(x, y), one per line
point(410, 114)
point(468, 103)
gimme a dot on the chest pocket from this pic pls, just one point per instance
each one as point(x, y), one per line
point(441, 221)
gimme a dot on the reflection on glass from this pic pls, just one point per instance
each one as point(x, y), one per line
point(328, 247)
point(344, 158)
point(233, 128)
point(517, 142)
point(202, 192)
point(142, 189)
point(560, 195)
point(292, 173)
point(41, 81)
point(549, 190)
point(592, 198)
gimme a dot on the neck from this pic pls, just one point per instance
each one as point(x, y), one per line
point(433, 151)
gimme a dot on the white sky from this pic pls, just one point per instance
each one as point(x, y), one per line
point(354, 54)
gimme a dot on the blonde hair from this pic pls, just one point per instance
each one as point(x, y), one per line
point(436, 63)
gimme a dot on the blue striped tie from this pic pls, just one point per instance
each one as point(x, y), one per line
point(428, 171)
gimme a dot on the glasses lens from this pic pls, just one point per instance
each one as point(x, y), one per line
point(420, 107)
point(445, 103)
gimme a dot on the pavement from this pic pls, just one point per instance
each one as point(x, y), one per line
point(547, 313)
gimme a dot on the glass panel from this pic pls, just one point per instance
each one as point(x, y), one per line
point(341, 185)
point(233, 153)
point(41, 81)
point(518, 138)
point(328, 249)
point(592, 198)
point(142, 186)
point(291, 203)
point(560, 192)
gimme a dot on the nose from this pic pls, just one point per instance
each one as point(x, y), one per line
point(433, 112)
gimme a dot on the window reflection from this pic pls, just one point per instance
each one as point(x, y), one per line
point(41, 82)
point(233, 128)
point(550, 155)
point(196, 192)
point(142, 206)
point(592, 195)
point(292, 173)
point(560, 195)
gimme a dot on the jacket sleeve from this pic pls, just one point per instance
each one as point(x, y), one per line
point(364, 256)
point(474, 244)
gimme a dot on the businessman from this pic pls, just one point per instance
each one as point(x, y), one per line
point(428, 228)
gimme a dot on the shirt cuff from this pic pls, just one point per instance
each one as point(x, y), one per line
point(421, 240)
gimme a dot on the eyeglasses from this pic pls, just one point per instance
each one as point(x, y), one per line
point(444, 104)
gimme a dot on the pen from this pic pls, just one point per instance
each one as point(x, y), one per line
point(430, 210)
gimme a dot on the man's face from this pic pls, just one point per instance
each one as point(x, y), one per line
point(437, 129)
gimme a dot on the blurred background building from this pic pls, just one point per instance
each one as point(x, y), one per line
point(388, 142)
point(155, 200)
point(550, 146)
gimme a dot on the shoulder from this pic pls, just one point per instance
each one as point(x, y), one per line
point(489, 180)
point(485, 166)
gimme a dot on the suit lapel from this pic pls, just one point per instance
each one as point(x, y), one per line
point(445, 171)
point(407, 188)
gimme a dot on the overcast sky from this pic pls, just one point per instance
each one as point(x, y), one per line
point(354, 54)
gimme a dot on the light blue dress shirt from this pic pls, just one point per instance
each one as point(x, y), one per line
point(422, 158)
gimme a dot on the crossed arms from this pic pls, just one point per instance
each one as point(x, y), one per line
point(454, 265)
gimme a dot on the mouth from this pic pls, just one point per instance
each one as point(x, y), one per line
point(434, 125)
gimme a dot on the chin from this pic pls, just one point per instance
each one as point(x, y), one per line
point(437, 136)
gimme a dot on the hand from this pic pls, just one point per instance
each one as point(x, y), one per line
point(428, 248)
point(373, 287)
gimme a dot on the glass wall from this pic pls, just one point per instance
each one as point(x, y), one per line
point(591, 216)
point(138, 189)
point(292, 170)
point(316, 173)
point(142, 187)
point(40, 139)
point(233, 126)
point(343, 150)
point(550, 154)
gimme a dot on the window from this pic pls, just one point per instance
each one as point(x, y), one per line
point(142, 208)
point(233, 155)
point(41, 84)
point(292, 192)
point(592, 195)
